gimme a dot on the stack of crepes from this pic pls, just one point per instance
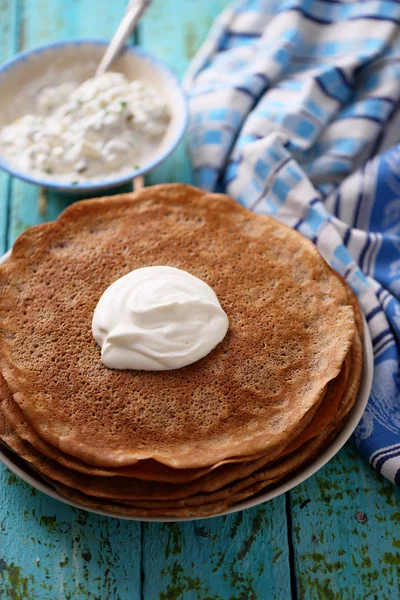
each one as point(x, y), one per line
point(186, 442)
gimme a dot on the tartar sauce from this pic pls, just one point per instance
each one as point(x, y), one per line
point(104, 126)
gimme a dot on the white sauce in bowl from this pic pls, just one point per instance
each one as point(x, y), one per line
point(106, 125)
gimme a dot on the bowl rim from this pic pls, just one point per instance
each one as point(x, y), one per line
point(110, 181)
point(353, 418)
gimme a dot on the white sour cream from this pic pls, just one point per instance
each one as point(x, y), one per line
point(104, 126)
point(157, 318)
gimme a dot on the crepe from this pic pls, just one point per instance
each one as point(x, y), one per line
point(267, 474)
point(213, 482)
point(261, 481)
point(149, 470)
point(212, 504)
point(290, 329)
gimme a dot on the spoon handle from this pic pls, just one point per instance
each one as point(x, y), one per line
point(134, 11)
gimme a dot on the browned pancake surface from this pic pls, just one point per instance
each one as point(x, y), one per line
point(149, 470)
point(239, 492)
point(207, 486)
point(291, 326)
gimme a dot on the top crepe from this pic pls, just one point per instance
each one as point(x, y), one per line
point(290, 328)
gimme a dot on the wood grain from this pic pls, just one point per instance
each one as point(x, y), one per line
point(345, 527)
point(240, 556)
point(48, 550)
point(8, 47)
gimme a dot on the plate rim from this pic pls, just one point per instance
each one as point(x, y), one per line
point(322, 459)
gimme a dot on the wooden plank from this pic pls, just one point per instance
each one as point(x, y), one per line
point(8, 46)
point(240, 557)
point(46, 21)
point(174, 31)
point(346, 535)
point(49, 550)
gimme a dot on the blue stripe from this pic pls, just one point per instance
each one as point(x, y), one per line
point(325, 91)
point(300, 221)
point(363, 253)
point(383, 346)
point(374, 18)
point(337, 204)
point(377, 143)
point(371, 254)
point(381, 335)
point(383, 131)
point(373, 312)
point(320, 21)
point(365, 117)
point(304, 14)
point(384, 296)
point(347, 236)
point(240, 88)
point(385, 98)
point(359, 198)
point(263, 78)
point(383, 451)
point(348, 271)
point(273, 172)
point(380, 291)
point(381, 461)
point(344, 78)
point(234, 163)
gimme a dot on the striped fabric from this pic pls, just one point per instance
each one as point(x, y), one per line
point(294, 112)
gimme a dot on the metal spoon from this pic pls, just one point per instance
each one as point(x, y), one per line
point(134, 11)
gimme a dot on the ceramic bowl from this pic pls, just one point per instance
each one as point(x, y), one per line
point(20, 467)
point(25, 75)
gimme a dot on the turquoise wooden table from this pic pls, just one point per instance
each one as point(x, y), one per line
point(336, 536)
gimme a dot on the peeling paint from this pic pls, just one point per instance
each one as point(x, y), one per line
point(256, 526)
point(50, 522)
point(238, 521)
point(13, 584)
point(174, 544)
point(63, 563)
point(182, 584)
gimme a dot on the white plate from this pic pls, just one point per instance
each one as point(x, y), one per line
point(329, 452)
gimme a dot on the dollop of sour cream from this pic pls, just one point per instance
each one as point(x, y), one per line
point(157, 318)
point(103, 126)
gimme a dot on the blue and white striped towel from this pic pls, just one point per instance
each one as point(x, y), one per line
point(295, 113)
